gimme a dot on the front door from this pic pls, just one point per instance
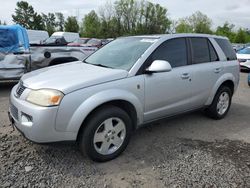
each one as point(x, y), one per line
point(168, 93)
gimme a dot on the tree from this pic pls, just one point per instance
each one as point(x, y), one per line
point(26, 16)
point(49, 22)
point(38, 23)
point(226, 30)
point(156, 20)
point(60, 21)
point(241, 36)
point(91, 25)
point(184, 27)
point(196, 23)
point(71, 24)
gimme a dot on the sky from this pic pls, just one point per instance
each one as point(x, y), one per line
point(220, 11)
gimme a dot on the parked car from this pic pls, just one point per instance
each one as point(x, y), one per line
point(54, 41)
point(248, 79)
point(68, 36)
point(14, 52)
point(79, 42)
point(94, 43)
point(244, 58)
point(37, 36)
point(128, 83)
point(106, 41)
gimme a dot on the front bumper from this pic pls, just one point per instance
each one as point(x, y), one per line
point(245, 65)
point(41, 125)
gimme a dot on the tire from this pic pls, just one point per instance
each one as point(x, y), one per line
point(219, 111)
point(106, 134)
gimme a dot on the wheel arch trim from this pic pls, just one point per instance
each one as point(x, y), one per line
point(224, 78)
point(100, 99)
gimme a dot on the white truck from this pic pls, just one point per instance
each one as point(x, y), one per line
point(37, 36)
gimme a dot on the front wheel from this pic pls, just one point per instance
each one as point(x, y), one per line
point(221, 103)
point(106, 134)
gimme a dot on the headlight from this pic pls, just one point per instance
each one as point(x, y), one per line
point(45, 97)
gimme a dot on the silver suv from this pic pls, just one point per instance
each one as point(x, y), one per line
point(131, 81)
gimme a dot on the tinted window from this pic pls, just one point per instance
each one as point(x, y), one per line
point(200, 50)
point(227, 48)
point(174, 51)
point(213, 54)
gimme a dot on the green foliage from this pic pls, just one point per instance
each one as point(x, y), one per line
point(196, 23)
point(183, 27)
point(126, 17)
point(241, 36)
point(226, 30)
point(91, 25)
point(26, 16)
point(71, 24)
point(60, 21)
point(49, 22)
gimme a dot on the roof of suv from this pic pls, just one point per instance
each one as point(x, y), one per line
point(181, 35)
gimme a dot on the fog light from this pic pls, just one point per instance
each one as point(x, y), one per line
point(26, 120)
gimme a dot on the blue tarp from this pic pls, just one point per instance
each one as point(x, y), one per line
point(13, 39)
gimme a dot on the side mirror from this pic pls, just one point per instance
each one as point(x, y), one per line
point(159, 66)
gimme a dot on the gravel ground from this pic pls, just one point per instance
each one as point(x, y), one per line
point(188, 151)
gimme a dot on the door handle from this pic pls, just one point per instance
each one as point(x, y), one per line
point(185, 76)
point(218, 70)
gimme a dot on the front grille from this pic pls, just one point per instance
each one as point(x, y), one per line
point(20, 89)
point(14, 111)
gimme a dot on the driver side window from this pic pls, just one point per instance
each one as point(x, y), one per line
point(174, 51)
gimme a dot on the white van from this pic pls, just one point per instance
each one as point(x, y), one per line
point(37, 36)
point(68, 36)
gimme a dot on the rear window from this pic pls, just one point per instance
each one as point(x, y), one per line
point(227, 48)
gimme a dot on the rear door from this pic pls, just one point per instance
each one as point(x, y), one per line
point(207, 68)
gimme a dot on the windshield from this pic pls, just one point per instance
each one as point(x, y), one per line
point(121, 53)
point(244, 51)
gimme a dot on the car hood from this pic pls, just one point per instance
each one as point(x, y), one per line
point(243, 56)
point(71, 76)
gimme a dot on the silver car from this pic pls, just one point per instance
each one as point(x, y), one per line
point(130, 82)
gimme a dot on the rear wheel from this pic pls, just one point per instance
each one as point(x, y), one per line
point(106, 135)
point(221, 103)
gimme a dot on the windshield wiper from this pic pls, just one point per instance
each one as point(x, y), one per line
point(99, 65)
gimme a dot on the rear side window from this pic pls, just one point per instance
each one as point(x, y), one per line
point(174, 51)
point(227, 49)
point(200, 50)
point(213, 54)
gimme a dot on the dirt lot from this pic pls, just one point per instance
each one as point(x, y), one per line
point(189, 151)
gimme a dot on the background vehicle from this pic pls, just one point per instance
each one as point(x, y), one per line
point(37, 36)
point(94, 43)
point(68, 36)
point(244, 58)
point(249, 79)
point(122, 86)
point(14, 52)
point(79, 42)
point(18, 57)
